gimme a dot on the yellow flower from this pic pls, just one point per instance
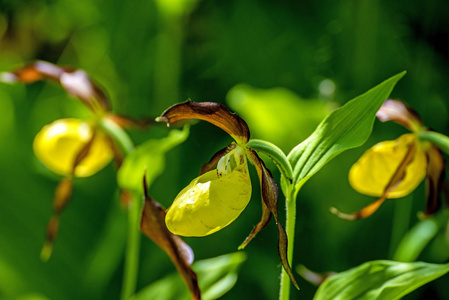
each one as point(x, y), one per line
point(393, 169)
point(218, 196)
point(372, 172)
point(213, 200)
point(59, 144)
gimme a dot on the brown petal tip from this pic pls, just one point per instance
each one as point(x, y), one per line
point(397, 111)
point(363, 213)
point(211, 112)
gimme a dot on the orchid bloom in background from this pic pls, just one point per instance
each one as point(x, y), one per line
point(393, 169)
point(72, 147)
point(218, 196)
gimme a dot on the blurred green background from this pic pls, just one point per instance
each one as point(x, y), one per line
point(282, 65)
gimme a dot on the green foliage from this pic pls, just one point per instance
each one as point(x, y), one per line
point(294, 118)
point(216, 276)
point(344, 128)
point(220, 45)
point(382, 280)
point(413, 243)
point(149, 159)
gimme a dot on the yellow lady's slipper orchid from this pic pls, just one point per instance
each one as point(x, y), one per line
point(393, 169)
point(213, 200)
point(372, 172)
point(58, 144)
point(218, 196)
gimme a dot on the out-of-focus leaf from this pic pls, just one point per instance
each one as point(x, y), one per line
point(176, 8)
point(345, 128)
point(381, 280)
point(415, 240)
point(277, 114)
point(216, 277)
point(153, 225)
point(32, 297)
point(149, 159)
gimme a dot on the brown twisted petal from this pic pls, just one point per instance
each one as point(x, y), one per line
point(434, 181)
point(397, 111)
point(153, 225)
point(126, 122)
point(397, 177)
point(214, 160)
point(63, 194)
point(269, 205)
point(211, 112)
point(75, 82)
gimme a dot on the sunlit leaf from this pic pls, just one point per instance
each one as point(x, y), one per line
point(149, 159)
point(381, 280)
point(344, 128)
point(216, 277)
point(277, 115)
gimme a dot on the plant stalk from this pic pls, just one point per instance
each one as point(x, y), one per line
point(290, 205)
point(134, 209)
point(132, 249)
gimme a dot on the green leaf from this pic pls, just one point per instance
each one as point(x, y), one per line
point(295, 118)
point(379, 280)
point(148, 158)
point(216, 277)
point(344, 128)
point(414, 242)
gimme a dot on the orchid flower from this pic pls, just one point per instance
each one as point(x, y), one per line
point(73, 147)
point(393, 169)
point(218, 196)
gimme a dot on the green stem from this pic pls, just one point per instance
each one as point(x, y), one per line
point(284, 166)
point(290, 204)
point(119, 136)
point(276, 154)
point(126, 146)
point(132, 249)
point(440, 140)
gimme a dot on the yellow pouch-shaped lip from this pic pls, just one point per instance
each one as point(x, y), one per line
point(372, 172)
point(58, 144)
point(209, 203)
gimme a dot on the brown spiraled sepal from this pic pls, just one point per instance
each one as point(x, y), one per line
point(398, 112)
point(269, 193)
point(435, 179)
point(153, 225)
point(75, 82)
point(211, 112)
